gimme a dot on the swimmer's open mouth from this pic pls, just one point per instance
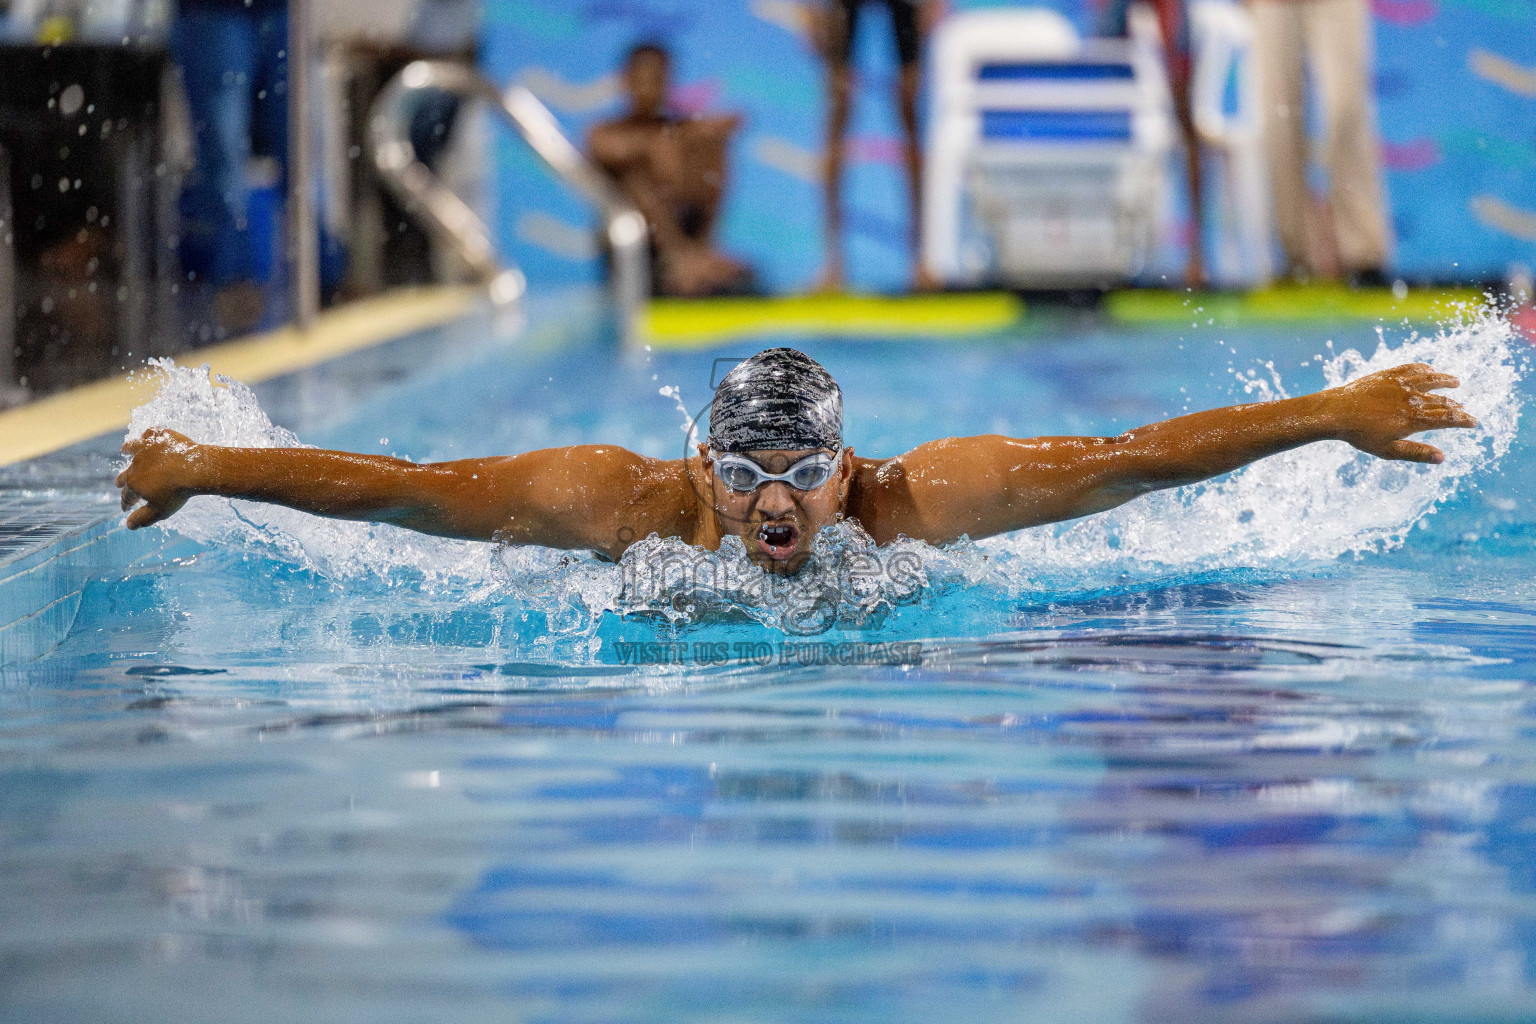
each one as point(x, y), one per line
point(778, 539)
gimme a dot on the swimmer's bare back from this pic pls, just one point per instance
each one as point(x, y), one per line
point(602, 497)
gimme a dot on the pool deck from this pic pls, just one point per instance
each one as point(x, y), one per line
point(60, 523)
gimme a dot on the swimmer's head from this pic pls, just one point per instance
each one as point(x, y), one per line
point(783, 413)
point(780, 400)
point(646, 71)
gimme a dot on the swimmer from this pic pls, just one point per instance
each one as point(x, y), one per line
point(774, 470)
point(674, 170)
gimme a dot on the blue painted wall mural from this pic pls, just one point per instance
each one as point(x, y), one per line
point(1456, 86)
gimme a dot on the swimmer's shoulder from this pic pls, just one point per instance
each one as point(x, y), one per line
point(660, 496)
point(875, 495)
point(635, 478)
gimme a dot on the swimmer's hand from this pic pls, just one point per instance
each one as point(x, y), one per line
point(1377, 412)
point(161, 473)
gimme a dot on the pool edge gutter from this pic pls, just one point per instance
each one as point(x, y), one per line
point(90, 410)
point(40, 592)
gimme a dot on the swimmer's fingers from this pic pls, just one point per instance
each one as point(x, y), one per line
point(1421, 377)
point(1402, 451)
point(1434, 380)
point(131, 497)
point(144, 515)
point(1438, 411)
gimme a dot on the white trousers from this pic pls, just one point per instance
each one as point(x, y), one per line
point(1336, 38)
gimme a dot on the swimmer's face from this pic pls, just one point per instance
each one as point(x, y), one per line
point(778, 522)
point(646, 79)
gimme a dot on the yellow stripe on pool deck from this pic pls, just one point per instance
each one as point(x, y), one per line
point(699, 323)
point(81, 413)
point(1287, 304)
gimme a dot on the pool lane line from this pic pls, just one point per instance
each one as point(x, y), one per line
point(81, 413)
point(1287, 303)
point(700, 323)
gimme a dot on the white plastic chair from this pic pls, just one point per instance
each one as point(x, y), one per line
point(1047, 154)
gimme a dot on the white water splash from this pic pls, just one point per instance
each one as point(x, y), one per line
point(226, 412)
point(1311, 504)
point(1306, 506)
point(847, 583)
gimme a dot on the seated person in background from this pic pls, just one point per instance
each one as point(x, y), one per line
point(673, 170)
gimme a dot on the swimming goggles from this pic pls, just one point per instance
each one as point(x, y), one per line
point(740, 473)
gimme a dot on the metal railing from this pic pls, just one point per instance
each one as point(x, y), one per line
point(11, 392)
point(425, 196)
point(303, 241)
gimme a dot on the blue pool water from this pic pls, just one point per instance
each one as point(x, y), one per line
point(1263, 751)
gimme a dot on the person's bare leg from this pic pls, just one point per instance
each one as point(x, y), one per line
point(1277, 49)
point(839, 88)
point(707, 150)
point(1194, 266)
point(1323, 239)
point(906, 103)
point(1339, 41)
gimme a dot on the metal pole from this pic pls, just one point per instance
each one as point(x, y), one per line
point(10, 389)
point(303, 240)
point(420, 191)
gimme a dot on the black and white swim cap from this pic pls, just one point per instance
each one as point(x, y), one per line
point(778, 400)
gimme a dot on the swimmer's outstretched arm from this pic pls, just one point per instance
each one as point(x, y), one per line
point(980, 486)
point(588, 497)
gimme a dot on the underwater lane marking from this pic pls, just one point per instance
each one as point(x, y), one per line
point(789, 15)
point(783, 155)
point(82, 413)
point(555, 236)
point(571, 97)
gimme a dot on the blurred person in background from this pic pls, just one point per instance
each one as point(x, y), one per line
point(673, 169)
point(233, 59)
point(832, 30)
point(233, 56)
point(1336, 38)
point(1173, 23)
